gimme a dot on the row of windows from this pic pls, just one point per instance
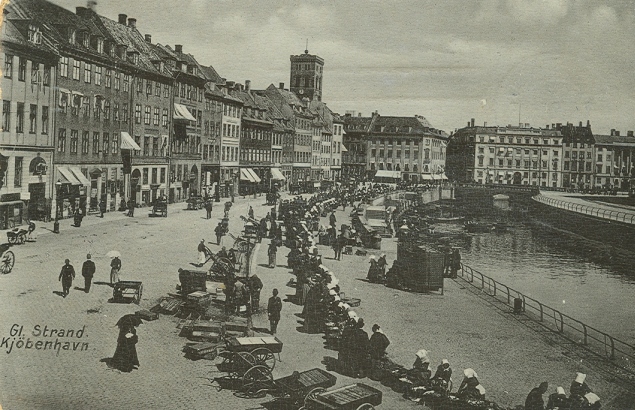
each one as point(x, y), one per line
point(302, 157)
point(231, 130)
point(303, 140)
point(155, 176)
point(518, 151)
point(97, 74)
point(187, 91)
point(255, 155)
point(520, 140)
point(373, 153)
point(20, 116)
point(17, 172)
point(517, 163)
point(574, 155)
point(191, 145)
point(388, 167)
point(256, 134)
point(389, 142)
point(37, 77)
point(82, 105)
point(99, 143)
point(231, 110)
point(151, 116)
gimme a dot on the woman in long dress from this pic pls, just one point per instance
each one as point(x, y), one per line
point(125, 357)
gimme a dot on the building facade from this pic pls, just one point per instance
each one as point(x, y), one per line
point(29, 65)
point(306, 76)
point(354, 143)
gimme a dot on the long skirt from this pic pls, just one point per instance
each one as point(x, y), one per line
point(272, 260)
point(125, 357)
point(201, 258)
point(114, 275)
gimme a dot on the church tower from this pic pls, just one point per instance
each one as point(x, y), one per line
point(306, 76)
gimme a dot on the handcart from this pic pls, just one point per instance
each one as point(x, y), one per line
point(17, 236)
point(127, 290)
point(7, 259)
point(160, 207)
point(294, 389)
point(356, 396)
point(195, 202)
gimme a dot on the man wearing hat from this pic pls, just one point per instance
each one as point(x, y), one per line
point(378, 343)
point(88, 270)
point(534, 398)
point(201, 252)
point(67, 274)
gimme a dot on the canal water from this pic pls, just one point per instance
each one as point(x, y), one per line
point(570, 274)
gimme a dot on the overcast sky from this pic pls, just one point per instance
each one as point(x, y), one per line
point(448, 60)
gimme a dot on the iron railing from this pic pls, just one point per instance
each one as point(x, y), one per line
point(613, 215)
point(588, 337)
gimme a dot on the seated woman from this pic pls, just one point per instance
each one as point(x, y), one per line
point(441, 380)
point(469, 383)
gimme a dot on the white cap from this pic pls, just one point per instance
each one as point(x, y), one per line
point(421, 354)
point(324, 268)
point(372, 257)
point(480, 389)
point(469, 373)
point(341, 304)
point(331, 286)
point(560, 390)
point(337, 298)
point(580, 378)
point(383, 255)
point(352, 314)
point(332, 292)
point(592, 398)
point(445, 361)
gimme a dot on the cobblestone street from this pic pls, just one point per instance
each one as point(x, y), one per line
point(509, 357)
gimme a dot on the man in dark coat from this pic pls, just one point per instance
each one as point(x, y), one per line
point(255, 286)
point(67, 274)
point(360, 350)
point(208, 208)
point(273, 309)
point(378, 343)
point(88, 270)
point(332, 219)
point(534, 398)
point(219, 231)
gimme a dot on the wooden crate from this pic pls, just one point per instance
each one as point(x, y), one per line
point(147, 315)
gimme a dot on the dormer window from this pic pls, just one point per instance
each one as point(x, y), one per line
point(35, 35)
point(133, 57)
point(86, 40)
point(100, 45)
point(72, 36)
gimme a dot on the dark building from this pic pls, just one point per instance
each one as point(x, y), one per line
point(354, 158)
point(306, 75)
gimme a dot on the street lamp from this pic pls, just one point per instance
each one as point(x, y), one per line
point(58, 206)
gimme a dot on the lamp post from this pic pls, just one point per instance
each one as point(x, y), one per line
point(58, 206)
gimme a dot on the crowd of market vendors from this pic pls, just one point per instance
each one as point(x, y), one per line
point(327, 310)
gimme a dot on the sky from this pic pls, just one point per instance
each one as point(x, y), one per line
point(498, 61)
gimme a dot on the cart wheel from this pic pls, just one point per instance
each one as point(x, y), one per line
point(212, 355)
point(22, 239)
point(312, 394)
point(6, 262)
point(257, 379)
point(12, 239)
point(264, 357)
point(366, 406)
point(239, 364)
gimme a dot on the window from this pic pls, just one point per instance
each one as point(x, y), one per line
point(599, 157)
point(35, 35)
point(166, 91)
point(85, 142)
point(45, 120)
point(33, 119)
point(21, 68)
point(35, 73)
point(146, 146)
point(61, 140)
point(108, 78)
point(87, 73)
point(86, 106)
point(148, 87)
point(157, 114)
point(162, 180)
point(145, 176)
point(124, 112)
point(106, 144)
point(157, 89)
point(140, 85)
point(164, 119)
point(115, 111)
point(155, 150)
point(100, 45)
point(126, 83)
point(154, 175)
point(74, 138)
point(148, 113)
point(115, 144)
point(20, 118)
point(76, 69)
point(95, 143)
point(97, 75)
point(17, 176)
point(6, 115)
point(117, 80)
point(8, 65)
point(137, 114)
point(106, 110)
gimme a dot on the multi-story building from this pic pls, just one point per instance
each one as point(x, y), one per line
point(337, 147)
point(577, 164)
point(281, 144)
point(29, 65)
point(142, 101)
point(520, 155)
point(230, 142)
point(354, 144)
point(255, 140)
point(212, 119)
point(613, 159)
point(306, 76)
point(407, 147)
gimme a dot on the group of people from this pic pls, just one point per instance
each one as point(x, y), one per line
point(67, 274)
point(580, 397)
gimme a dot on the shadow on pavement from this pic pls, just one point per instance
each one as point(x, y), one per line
point(58, 293)
point(103, 283)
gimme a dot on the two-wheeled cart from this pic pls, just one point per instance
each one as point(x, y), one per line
point(17, 236)
point(127, 291)
point(356, 396)
point(293, 390)
point(7, 259)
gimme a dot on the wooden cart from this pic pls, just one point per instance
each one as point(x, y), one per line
point(127, 290)
point(356, 396)
point(294, 389)
point(7, 259)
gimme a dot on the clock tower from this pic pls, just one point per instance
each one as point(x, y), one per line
point(306, 76)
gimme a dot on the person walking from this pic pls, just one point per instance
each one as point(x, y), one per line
point(102, 208)
point(208, 208)
point(219, 232)
point(273, 249)
point(201, 253)
point(255, 286)
point(88, 270)
point(67, 274)
point(131, 206)
point(273, 310)
point(115, 267)
point(251, 212)
point(31, 230)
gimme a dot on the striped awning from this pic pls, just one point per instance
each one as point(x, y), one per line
point(68, 176)
point(77, 173)
point(253, 174)
point(182, 113)
point(245, 175)
point(127, 142)
point(276, 174)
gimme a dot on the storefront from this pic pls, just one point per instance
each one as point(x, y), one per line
point(11, 210)
point(70, 191)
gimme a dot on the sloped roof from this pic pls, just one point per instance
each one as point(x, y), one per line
point(614, 139)
point(212, 75)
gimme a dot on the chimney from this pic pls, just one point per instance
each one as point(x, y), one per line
point(580, 124)
point(612, 132)
point(629, 133)
point(527, 125)
point(178, 48)
point(281, 86)
point(122, 19)
point(359, 114)
point(520, 125)
point(468, 124)
point(80, 11)
point(132, 22)
point(472, 122)
point(588, 124)
point(149, 38)
point(617, 133)
point(547, 126)
point(248, 85)
point(91, 5)
point(553, 126)
point(485, 124)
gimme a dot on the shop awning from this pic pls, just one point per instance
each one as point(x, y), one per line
point(127, 142)
point(245, 175)
point(426, 177)
point(382, 173)
point(68, 176)
point(436, 176)
point(77, 173)
point(11, 203)
point(276, 174)
point(444, 177)
point(344, 149)
point(254, 176)
point(182, 113)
